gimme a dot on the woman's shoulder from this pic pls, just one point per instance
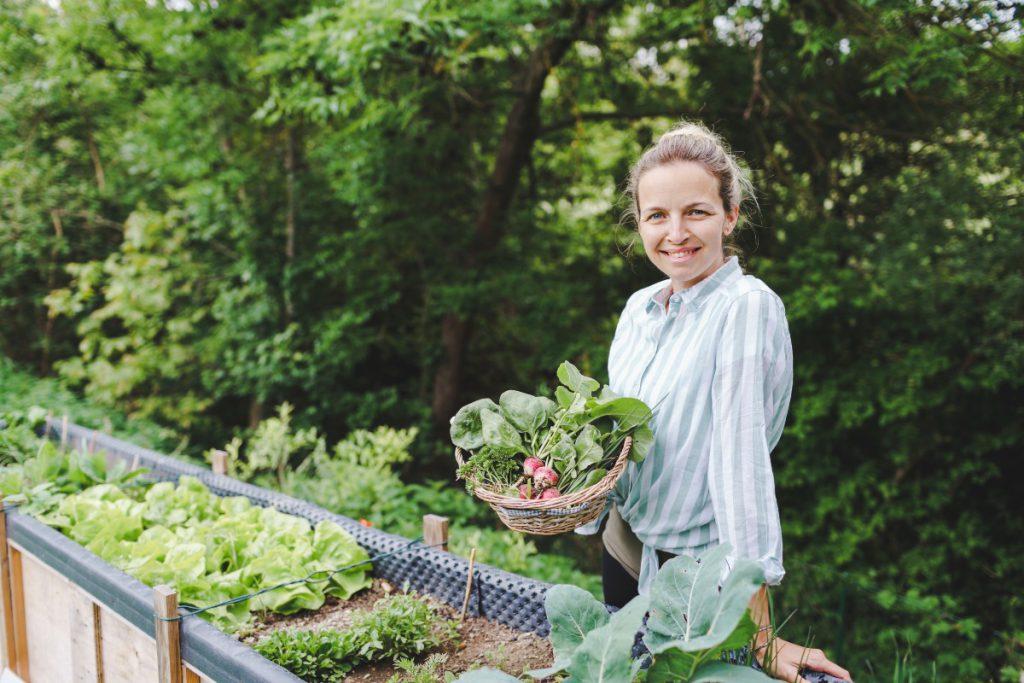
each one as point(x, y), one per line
point(750, 291)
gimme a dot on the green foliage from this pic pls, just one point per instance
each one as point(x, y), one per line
point(210, 549)
point(228, 209)
point(320, 656)
point(398, 627)
point(691, 623)
point(580, 437)
point(357, 478)
point(21, 392)
point(429, 671)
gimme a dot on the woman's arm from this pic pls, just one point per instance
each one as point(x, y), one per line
point(749, 400)
point(750, 393)
point(784, 659)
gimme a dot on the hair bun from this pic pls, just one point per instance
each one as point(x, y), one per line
point(691, 130)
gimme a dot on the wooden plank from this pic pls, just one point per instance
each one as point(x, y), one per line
point(8, 653)
point(48, 621)
point(86, 637)
point(168, 646)
point(18, 607)
point(128, 654)
point(435, 531)
point(107, 646)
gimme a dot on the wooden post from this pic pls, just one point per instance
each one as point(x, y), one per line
point(8, 653)
point(435, 531)
point(168, 645)
point(220, 462)
point(18, 609)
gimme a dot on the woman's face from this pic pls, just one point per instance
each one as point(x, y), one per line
point(683, 222)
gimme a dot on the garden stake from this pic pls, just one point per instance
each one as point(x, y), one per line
point(220, 462)
point(469, 585)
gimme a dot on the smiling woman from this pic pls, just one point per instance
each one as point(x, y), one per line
point(711, 345)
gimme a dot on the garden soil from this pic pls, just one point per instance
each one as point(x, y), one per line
point(482, 642)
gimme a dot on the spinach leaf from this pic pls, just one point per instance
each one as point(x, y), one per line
point(575, 380)
point(466, 427)
point(498, 433)
point(588, 451)
point(527, 413)
point(629, 413)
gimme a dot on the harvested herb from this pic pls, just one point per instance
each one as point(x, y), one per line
point(534, 447)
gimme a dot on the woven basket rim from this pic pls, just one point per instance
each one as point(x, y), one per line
point(591, 493)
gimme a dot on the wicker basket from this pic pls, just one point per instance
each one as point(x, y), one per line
point(556, 516)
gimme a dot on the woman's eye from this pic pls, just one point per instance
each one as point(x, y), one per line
point(654, 214)
point(701, 211)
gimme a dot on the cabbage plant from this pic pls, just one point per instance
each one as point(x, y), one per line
point(692, 622)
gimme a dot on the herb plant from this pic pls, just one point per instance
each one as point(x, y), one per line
point(561, 446)
point(398, 627)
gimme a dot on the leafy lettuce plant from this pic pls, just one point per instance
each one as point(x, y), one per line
point(212, 549)
point(579, 434)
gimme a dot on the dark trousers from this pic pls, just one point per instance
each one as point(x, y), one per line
point(619, 586)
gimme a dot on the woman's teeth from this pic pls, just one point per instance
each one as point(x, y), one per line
point(681, 255)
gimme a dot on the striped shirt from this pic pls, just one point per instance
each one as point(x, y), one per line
point(717, 366)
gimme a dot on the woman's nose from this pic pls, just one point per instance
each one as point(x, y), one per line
point(677, 231)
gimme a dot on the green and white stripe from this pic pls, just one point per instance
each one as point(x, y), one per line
point(720, 361)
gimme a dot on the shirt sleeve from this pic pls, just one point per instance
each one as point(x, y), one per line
point(750, 396)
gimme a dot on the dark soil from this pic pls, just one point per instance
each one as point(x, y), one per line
point(481, 642)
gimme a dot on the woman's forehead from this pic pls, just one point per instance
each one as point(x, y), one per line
point(678, 183)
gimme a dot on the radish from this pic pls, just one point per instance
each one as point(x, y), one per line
point(525, 491)
point(550, 493)
point(544, 477)
point(531, 465)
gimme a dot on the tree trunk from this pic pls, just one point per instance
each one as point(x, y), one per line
point(289, 224)
point(521, 131)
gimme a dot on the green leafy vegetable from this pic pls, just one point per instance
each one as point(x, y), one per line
point(577, 435)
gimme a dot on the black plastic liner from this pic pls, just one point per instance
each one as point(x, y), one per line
point(500, 596)
point(215, 654)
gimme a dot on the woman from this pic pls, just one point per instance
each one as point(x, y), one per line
point(710, 346)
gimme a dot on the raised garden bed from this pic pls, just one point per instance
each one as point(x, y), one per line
point(70, 616)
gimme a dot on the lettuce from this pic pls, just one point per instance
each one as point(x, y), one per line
point(212, 549)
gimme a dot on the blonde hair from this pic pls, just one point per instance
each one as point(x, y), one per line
point(693, 141)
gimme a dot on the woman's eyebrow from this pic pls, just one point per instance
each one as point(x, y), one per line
point(699, 202)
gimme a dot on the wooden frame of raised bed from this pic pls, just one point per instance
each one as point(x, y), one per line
point(66, 615)
point(69, 616)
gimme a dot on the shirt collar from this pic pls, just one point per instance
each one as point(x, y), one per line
point(694, 296)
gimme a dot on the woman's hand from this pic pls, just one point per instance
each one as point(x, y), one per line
point(785, 660)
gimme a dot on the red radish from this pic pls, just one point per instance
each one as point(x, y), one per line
point(544, 477)
point(525, 491)
point(531, 465)
point(550, 494)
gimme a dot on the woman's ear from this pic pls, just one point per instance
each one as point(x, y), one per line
point(730, 220)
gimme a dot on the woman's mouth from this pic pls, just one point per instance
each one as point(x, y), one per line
point(680, 255)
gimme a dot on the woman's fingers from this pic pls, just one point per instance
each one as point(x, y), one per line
point(817, 660)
